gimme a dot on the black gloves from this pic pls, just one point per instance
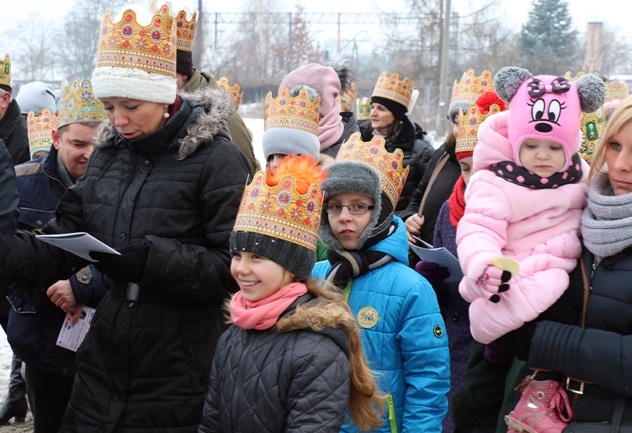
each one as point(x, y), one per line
point(128, 267)
point(518, 342)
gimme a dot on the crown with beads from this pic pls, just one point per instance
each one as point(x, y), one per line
point(296, 112)
point(467, 127)
point(280, 211)
point(363, 108)
point(40, 130)
point(471, 86)
point(77, 104)
point(616, 91)
point(128, 44)
point(390, 166)
point(5, 71)
point(185, 30)
point(391, 87)
point(592, 127)
point(233, 91)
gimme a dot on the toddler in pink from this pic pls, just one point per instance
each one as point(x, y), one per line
point(525, 199)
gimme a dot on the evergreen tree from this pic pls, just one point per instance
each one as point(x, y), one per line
point(548, 39)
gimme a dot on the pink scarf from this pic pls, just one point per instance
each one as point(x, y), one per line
point(330, 128)
point(264, 314)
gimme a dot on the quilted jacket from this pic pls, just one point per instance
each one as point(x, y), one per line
point(144, 366)
point(537, 227)
point(403, 338)
point(274, 382)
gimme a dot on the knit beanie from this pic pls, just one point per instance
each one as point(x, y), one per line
point(291, 123)
point(547, 107)
point(136, 61)
point(279, 215)
point(36, 96)
point(326, 82)
point(184, 62)
point(398, 110)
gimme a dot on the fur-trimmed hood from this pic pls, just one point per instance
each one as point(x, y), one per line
point(210, 109)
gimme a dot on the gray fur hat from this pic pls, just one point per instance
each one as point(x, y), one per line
point(352, 176)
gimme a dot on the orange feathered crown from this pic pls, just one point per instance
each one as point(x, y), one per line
point(391, 87)
point(390, 166)
point(296, 112)
point(40, 130)
point(285, 204)
point(233, 91)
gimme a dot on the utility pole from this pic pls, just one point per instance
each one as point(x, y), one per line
point(443, 73)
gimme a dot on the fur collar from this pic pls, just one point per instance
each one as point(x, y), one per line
point(217, 108)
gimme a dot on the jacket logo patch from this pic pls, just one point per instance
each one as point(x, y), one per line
point(437, 331)
point(367, 317)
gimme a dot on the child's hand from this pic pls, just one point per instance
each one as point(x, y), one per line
point(494, 280)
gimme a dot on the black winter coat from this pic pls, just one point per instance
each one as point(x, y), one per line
point(417, 153)
point(278, 382)
point(14, 134)
point(144, 366)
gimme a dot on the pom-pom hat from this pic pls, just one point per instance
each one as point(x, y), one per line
point(279, 215)
point(136, 61)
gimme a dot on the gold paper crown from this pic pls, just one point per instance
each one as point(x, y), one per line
point(467, 129)
point(281, 211)
point(390, 166)
point(363, 108)
point(231, 90)
point(296, 112)
point(127, 44)
point(592, 126)
point(77, 104)
point(5, 71)
point(391, 87)
point(185, 30)
point(471, 87)
point(40, 130)
point(616, 91)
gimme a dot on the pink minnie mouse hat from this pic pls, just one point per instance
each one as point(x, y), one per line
point(546, 107)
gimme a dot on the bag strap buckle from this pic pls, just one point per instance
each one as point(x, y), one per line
point(575, 386)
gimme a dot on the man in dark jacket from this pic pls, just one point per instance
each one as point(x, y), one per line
point(38, 314)
point(12, 129)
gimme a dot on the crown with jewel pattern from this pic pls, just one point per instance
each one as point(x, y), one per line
point(390, 166)
point(185, 30)
point(470, 87)
point(391, 87)
point(616, 91)
point(77, 104)
point(136, 61)
point(233, 91)
point(40, 130)
point(467, 127)
point(5, 71)
point(363, 108)
point(592, 127)
point(280, 211)
point(296, 112)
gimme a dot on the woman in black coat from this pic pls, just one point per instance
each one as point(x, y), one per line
point(162, 187)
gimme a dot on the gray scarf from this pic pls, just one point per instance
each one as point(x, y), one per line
point(607, 219)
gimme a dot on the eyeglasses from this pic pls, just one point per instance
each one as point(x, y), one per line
point(354, 209)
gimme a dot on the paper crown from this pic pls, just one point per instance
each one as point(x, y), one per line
point(391, 87)
point(233, 91)
point(471, 86)
point(592, 127)
point(185, 30)
point(363, 108)
point(5, 71)
point(128, 44)
point(280, 211)
point(390, 166)
point(296, 112)
point(40, 130)
point(467, 127)
point(616, 91)
point(77, 104)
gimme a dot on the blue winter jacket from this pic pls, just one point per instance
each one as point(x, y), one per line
point(34, 321)
point(404, 339)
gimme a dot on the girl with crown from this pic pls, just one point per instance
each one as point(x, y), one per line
point(292, 360)
point(402, 329)
point(162, 187)
point(389, 105)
